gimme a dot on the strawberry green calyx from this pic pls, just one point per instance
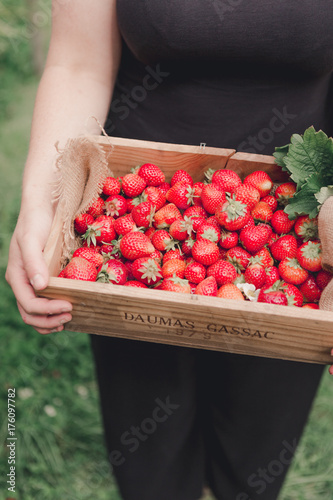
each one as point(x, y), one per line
point(187, 225)
point(293, 262)
point(256, 259)
point(309, 230)
point(150, 271)
point(190, 195)
point(278, 286)
point(91, 233)
point(106, 276)
point(139, 199)
point(178, 281)
point(134, 170)
point(210, 234)
point(234, 208)
point(209, 174)
point(311, 250)
point(116, 246)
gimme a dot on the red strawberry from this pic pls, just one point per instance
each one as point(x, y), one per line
point(283, 247)
point(154, 196)
point(166, 216)
point(143, 214)
point(105, 250)
point(124, 224)
point(82, 222)
point(198, 187)
point(89, 254)
point(223, 271)
point(181, 194)
point(164, 187)
point(181, 176)
point(113, 271)
point(111, 186)
point(272, 275)
point(261, 181)
point(187, 246)
point(116, 205)
point(294, 296)
point(152, 174)
point(131, 203)
point(281, 223)
point(230, 291)
point(255, 274)
point(207, 287)
point(181, 229)
point(197, 221)
point(133, 185)
point(272, 239)
point(149, 232)
point(310, 290)
point(174, 267)
point(195, 272)
point(285, 192)
point(214, 222)
point(96, 208)
point(173, 254)
point(80, 269)
point(228, 239)
point(292, 272)
point(176, 284)
point(306, 228)
point(212, 197)
point(195, 212)
point(193, 288)
point(309, 255)
point(271, 201)
point(162, 240)
point(262, 212)
point(239, 258)
point(255, 238)
point(232, 214)
point(206, 252)
point(270, 295)
point(248, 195)
point(101, 230)
point(135, 245)
point(146, 270)
point(323, 278)
point(135, 284)
point(263, 257)
point(207, 231)
point(228, 180)
point(311, 306)
point(157, 255)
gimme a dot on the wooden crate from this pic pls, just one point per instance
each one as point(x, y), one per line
point(189, 320)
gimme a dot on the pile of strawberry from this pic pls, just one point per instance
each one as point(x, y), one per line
point(224, 238)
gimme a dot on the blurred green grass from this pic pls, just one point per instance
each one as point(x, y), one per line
point(60, 450)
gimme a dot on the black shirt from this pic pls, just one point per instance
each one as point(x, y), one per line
point(243, 74)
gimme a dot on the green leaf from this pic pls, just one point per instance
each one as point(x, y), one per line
point(312, 153)
point(323, 194)
point(279, 155)
point(303, 203)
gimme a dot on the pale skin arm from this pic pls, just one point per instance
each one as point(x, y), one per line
point(77, 83)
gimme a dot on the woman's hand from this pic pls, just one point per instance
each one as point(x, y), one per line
point(27, 270)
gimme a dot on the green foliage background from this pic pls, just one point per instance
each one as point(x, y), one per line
point(62, 454)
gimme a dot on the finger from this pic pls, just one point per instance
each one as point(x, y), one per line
point(45, 322)
point(47, 331)
point(33, 261)
point(24, 293)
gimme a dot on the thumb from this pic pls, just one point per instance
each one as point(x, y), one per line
point(34, 262)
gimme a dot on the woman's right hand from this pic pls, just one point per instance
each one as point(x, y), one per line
point(27, 270)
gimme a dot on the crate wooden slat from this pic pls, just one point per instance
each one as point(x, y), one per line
point(193, 321)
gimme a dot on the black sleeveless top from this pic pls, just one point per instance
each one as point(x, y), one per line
point(243, 74)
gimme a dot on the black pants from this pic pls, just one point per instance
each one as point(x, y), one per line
point(176, 418)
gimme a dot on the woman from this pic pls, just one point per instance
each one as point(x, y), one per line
point(243, 75)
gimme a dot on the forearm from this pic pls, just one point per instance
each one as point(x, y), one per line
point(66, 98)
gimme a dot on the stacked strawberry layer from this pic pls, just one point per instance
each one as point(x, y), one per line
point(224, 238)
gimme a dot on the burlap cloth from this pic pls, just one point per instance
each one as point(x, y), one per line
point(82, 167)
point(325, 227)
